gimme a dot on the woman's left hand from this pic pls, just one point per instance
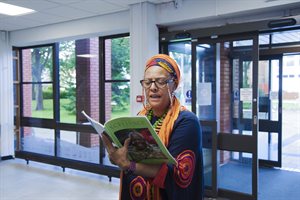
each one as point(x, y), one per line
point(117, 156)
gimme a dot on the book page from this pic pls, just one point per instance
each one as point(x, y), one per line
point(97, 126)
point(145, 146)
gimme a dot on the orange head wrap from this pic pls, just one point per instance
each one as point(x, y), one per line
point(167, 63)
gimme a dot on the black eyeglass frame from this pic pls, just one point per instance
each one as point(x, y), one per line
point(160, 85)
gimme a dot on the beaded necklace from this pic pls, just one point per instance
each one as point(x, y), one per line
point(158, 123)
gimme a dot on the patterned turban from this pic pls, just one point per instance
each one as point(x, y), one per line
point(167, 63)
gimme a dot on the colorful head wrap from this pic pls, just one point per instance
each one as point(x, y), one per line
point(172, 67)
point(167, 63)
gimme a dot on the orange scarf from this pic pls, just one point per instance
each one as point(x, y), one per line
point(164, 134)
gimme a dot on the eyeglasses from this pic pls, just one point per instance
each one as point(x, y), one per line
point(159, 82)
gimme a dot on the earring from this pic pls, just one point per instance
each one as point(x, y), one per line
point(171, 96)
point(145, 102)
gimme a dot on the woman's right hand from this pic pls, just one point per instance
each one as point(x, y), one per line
point(117, 156)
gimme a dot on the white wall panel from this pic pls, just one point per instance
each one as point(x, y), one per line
point(95, 26)
point(143, 45)
point(6, 97)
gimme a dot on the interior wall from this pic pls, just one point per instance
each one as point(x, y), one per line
point(6, 97)
point(143, 44)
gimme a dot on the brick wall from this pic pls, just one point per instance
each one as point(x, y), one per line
point(27, 88)
point(225, 93)
point(87, 86)
point(108, 77)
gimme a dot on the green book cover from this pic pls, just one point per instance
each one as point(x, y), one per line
point(145, 145)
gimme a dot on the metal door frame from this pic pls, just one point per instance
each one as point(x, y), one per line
point(273, 126)
point(233, 142)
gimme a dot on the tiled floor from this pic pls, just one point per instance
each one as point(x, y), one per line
point(38, 181)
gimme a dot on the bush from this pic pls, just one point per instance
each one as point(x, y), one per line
point(48, 93)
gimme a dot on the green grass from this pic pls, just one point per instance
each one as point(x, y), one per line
point(47, 113)
point(65, 116)
point(123, 113)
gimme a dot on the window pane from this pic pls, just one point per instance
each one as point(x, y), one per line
point(247, 89)
point(287, 36)
point(206, 81)
point(242, 43)
point(38, 140)
point(207, 154)
point(264, 39)
point(117, 59)
point(79, 146)
point(181, 52)
point(38, 100)
point(117, 99)
point(79, 79)
point(15, 66)
point(37, 64)
point(67, 77)
point(268, 146)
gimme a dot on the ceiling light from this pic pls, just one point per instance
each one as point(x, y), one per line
point(87, 56)
point(8, 9)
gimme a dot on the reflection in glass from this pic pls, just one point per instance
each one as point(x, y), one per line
point(79, 146)
point(181, 52)
point(38, 140)
point(206, 81)
point(207, 154)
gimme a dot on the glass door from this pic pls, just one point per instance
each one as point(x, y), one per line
point(181, 52)
point(291, 112)
point(270, 106)
point(225, 73)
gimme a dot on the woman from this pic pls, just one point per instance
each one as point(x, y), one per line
point(179, 130)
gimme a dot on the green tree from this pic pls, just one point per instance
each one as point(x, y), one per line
point(120, 71)
point(67, 74)
point(41, 59)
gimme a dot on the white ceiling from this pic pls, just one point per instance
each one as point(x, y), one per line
point(56, 11)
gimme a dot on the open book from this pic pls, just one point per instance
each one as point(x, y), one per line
point(145, 146)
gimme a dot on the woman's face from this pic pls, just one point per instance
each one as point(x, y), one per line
point(158, 97)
